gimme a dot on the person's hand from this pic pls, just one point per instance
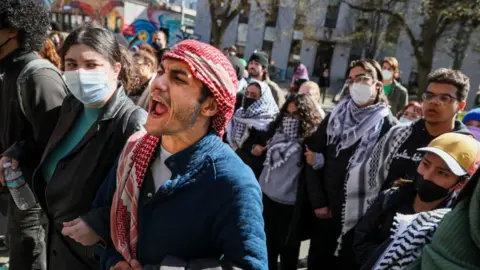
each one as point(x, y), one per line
point(323, 213)
point(310, 156)
point(258, 150)
point(4, 160)
point(79, 231)
point(123, 265)
point(136, 265)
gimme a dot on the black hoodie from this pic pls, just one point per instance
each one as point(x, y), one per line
point(406, 160)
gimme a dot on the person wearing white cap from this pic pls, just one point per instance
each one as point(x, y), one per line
point(449, 161)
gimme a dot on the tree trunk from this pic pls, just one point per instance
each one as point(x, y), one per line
point(217, 35)
point(423, 72)
point(425, 59)
point(460, 45)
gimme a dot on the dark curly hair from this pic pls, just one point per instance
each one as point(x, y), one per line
point(452, 77)
point(308, 113)
point(30, 18)
point(102, 41)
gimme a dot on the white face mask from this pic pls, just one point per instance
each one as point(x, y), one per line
point(387, 74)
point(361, 93)
point(88, 86)
point(404, 120)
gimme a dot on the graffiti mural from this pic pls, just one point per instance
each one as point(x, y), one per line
point(97, 10)
point(168, 22)
point(112, 14)
point(144, 29)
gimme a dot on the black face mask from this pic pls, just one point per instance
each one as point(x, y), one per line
point(247, 102)
point(428, 191)
point(157, 45)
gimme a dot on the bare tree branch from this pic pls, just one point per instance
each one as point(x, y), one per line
point(229, 5)
point(241, 5)
point(398, 17)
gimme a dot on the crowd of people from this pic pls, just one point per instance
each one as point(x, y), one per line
point(148, 157)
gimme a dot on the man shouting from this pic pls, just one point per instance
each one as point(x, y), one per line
point(177, 189)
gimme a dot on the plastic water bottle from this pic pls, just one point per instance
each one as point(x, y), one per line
point(21, 193)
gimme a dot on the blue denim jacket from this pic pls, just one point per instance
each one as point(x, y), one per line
point(211, 208)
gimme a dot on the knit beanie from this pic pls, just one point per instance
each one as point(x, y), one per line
point(472, 115)
point(260, 57)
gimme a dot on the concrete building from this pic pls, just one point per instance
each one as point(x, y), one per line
point(318, 32)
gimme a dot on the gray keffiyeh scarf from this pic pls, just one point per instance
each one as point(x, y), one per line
point(348, 125)
point(409, 241)
point(284, 143)
point(259, 116)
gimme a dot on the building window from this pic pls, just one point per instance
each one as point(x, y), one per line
point(244, 14)
point(271, 14)
point(267, 47)
point(242, 34)
point(301, 12)
point(66, 23)
point(240, 51)
point(358, 44)
point(332, 13)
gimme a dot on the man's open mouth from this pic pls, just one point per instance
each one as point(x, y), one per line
point(158, 107)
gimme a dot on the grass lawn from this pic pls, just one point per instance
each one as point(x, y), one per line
point(461, 115)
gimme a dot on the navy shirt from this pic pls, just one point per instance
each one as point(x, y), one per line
point(212, 207)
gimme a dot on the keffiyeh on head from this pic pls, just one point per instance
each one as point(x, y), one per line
point(300, 73)
point(213, 68)
point(259, 115)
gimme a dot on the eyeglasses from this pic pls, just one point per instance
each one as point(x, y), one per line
point(442, 98)
point(363, 79)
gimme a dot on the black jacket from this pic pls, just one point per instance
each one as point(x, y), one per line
point(321, 188)
point(405, 162)
point(77, 177)
point(25, 137)
point(326, 187)
point(372, 234)
point(245, 152)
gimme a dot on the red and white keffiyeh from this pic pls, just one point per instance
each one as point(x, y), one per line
point(132, 166)
point(210, 66)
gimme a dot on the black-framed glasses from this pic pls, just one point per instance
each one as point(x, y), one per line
point(442, 98)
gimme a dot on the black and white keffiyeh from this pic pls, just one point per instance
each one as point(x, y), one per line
point(259, 116)
point(409, 241)
point(348, 125)
point(284, 143)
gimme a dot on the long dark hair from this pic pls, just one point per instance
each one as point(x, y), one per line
point(103, 41)
point(307, 110)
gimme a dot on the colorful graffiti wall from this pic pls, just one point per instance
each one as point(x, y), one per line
point(112, 14)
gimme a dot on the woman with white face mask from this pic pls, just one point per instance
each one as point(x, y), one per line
point(395, 92)
point(411, 113)
point(336, 191)
point(96, 120)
